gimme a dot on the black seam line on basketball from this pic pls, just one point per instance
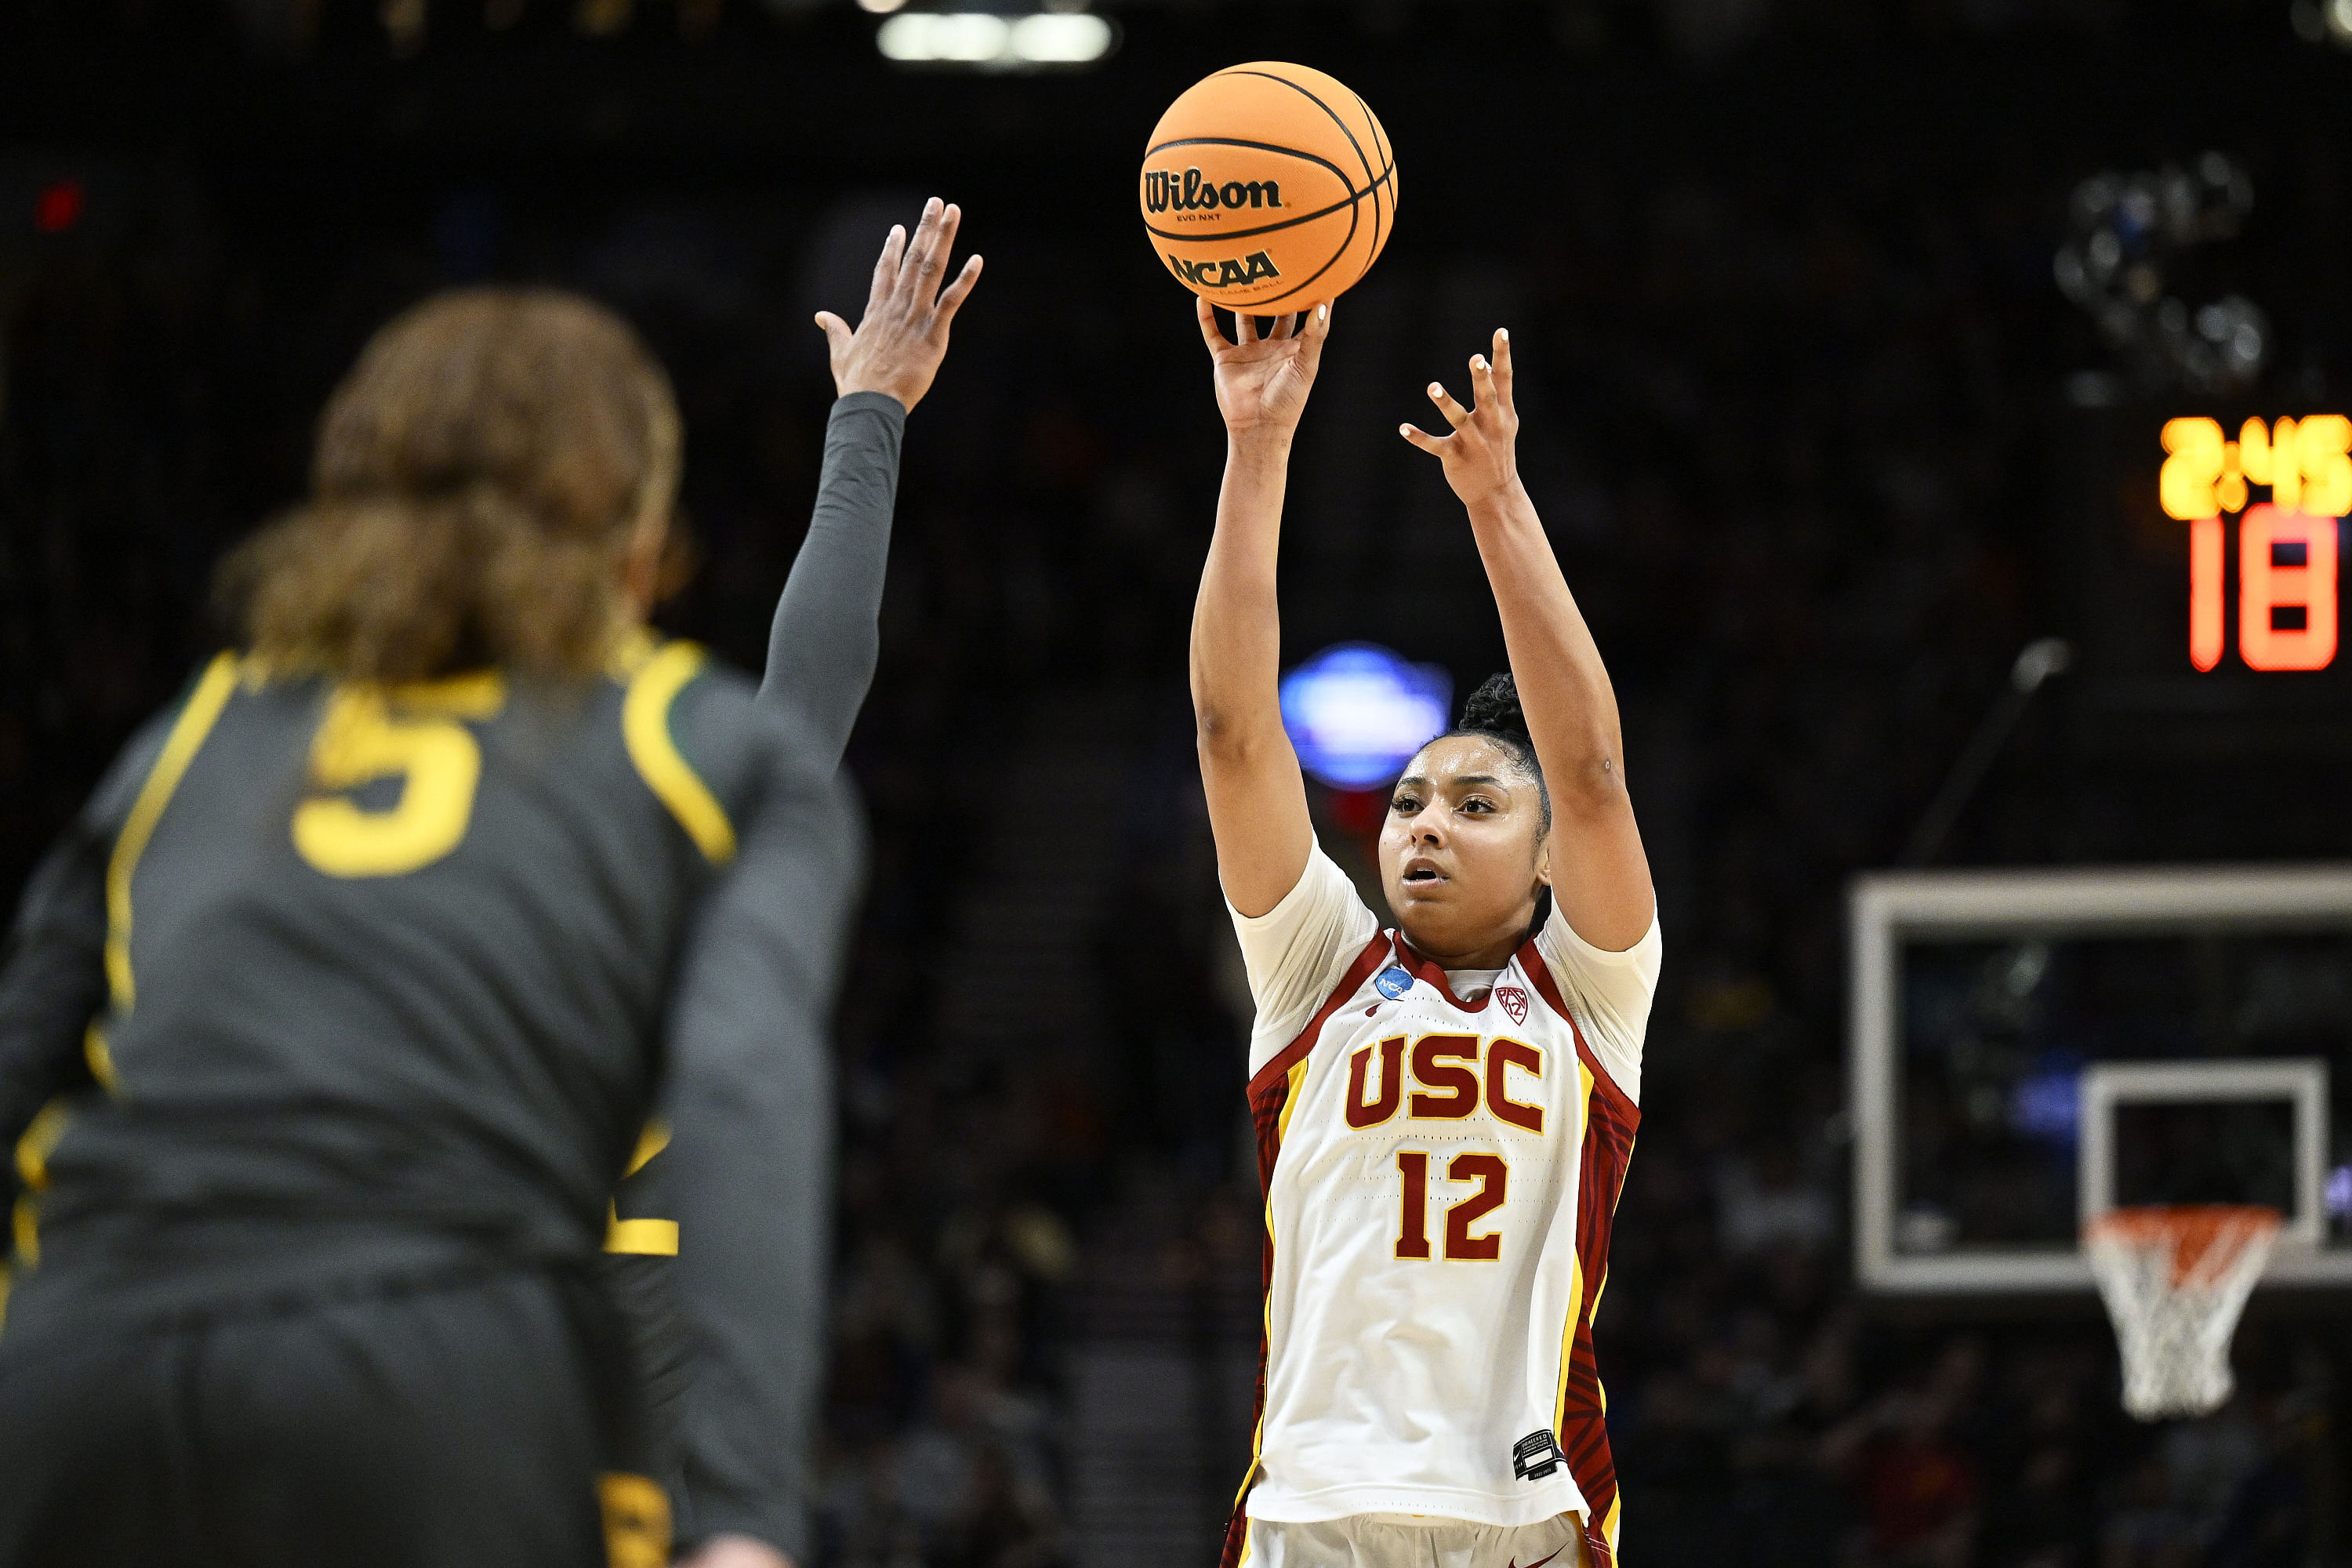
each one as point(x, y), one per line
point(1319, 104)
point(1338, 173)
point(1380, 135)
point(1388, 168)
point(1256, 307)
point(1224, 234)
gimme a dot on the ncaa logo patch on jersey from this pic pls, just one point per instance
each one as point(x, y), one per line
point(1392, 981)
point(1514, 1001)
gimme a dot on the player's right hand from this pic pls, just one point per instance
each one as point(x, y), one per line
point(1263, 382)
point(903, 335)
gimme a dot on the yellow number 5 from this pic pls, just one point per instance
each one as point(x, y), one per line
point(408, 733)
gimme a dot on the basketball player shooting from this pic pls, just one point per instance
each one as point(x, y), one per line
point(1444, 1110)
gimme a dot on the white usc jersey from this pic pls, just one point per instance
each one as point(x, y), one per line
point(1440, 1171)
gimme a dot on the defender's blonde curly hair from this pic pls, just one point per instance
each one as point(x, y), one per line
point(478, 476)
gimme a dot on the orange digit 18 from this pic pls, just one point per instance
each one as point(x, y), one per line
point(2300, 593)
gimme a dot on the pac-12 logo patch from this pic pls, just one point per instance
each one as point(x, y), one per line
point(1392, 981)
point(1514, 1001)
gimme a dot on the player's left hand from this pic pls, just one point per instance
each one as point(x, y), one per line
point(1481, 457)
point(903, 335)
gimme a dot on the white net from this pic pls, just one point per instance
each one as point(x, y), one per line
point(2174, 1279)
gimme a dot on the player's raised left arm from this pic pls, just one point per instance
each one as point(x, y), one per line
point(1600, 876)
point(826, 639)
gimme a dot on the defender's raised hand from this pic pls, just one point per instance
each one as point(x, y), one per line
point(903, 335)
point(1262, 382)
point(1481, 456)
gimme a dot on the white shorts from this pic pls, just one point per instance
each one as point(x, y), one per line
point(1373, 1540)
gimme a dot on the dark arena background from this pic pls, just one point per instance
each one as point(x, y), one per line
point(1849, 334)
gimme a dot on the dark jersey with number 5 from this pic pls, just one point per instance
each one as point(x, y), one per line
point(335, 984)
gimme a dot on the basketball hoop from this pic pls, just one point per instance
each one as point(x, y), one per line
point(2175, 1278)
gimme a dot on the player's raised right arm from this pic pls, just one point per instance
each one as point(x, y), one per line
point(1258, 801)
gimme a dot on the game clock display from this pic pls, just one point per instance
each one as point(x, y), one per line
point(2287, 546)
point(2200, 576)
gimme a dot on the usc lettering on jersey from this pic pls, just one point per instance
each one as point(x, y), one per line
point(1439, 1179)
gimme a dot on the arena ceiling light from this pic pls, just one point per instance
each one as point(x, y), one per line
point(2323, 21)
point(986, 41)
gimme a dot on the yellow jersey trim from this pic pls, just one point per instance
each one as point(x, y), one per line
point(1297, 1076)
point(637, 1520)
point(645, 729)
point(1296, 1079)
point(99, 1058)
point(40, 1140)
point(643, 1237)
point(188, 733)
point(32, 1151)
point(650, 1143)
point(1576, 1312)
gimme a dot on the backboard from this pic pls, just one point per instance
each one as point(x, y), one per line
point(2029, 1049)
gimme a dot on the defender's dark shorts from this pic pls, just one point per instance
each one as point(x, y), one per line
point(471, 1425)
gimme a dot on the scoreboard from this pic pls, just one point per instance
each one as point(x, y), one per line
point(2287, 545)
point(2199, 557)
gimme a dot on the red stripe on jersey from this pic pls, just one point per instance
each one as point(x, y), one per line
point(1269, 1094)
point(1278, 1067)
point(1611, 1120)
point(1548, 988)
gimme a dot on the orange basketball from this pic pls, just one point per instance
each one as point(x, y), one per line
point(1268, 188)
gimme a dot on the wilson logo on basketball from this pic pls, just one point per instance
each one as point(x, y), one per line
point(1189, 193)
point(1227, 273)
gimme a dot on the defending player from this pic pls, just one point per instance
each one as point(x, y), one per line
point(1444, 1110)
point(821, 651)
point(345, 1001)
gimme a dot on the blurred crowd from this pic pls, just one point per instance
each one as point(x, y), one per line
point(1787, 427)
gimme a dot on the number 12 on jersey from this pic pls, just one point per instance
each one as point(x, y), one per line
point(1493, 1176)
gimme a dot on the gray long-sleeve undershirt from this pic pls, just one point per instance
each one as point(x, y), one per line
point(827, 637)
point(822, 649)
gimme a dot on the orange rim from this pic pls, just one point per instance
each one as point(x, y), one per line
point(2193, 1231)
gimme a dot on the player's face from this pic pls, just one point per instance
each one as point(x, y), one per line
point(1461, 855)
